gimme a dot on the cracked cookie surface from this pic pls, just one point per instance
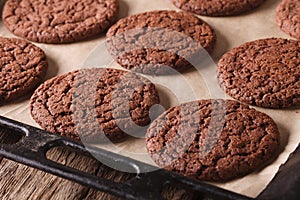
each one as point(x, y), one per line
point(22, 67)
point(93, 103)
point(213, 140)
point(288, 17)
point(217, 7)
point(151, 42)
point(58, 21)
point(263, 73)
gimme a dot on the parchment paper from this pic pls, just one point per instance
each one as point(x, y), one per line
point(231, 31)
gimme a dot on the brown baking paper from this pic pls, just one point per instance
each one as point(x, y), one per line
point(231, 31)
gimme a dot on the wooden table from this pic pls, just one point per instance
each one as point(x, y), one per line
point(19, 182)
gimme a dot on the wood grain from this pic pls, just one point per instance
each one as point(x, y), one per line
point(25, 183)
point(21, 182)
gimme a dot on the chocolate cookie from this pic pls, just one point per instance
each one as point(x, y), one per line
point(213, 140)
point(263, 73)
point(22, 67)
point(94, 102)
point(58, 21)
point(157, 42)
point(288, 17)
point(217, 7)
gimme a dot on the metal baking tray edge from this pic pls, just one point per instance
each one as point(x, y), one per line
point(31, 151)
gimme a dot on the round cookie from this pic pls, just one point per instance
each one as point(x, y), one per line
point(58, 21)
point(94, 102)
point(212, 140)
point(157, 41)
point(288, 17)
point(217, 8)
point(22, 67)
point(263, 73)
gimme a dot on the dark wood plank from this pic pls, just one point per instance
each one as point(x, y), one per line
point(22, 182)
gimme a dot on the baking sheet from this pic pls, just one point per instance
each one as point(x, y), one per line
point(231, 31)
